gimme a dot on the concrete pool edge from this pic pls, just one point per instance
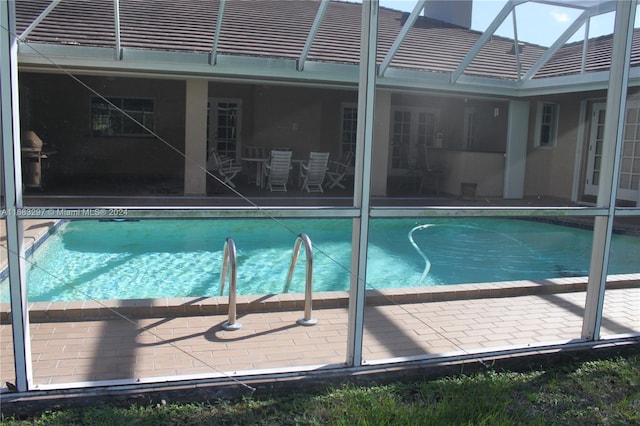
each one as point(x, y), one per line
point(40, 312)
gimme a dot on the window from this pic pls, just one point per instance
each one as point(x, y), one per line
point(411, 127)
point(224, 119)
point(122, 116)
point(546, 125)
point(349, 127)
point(469, 127)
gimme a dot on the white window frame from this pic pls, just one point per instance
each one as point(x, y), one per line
point(351, 146)
point(414, 137)
point(469, 128)
point(212, 127)
point(116, 112)
point(541, 122)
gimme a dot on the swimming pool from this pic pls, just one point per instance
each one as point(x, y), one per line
point(183, 258)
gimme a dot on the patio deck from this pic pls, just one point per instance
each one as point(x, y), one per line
point(71, 343)
point(135, 192)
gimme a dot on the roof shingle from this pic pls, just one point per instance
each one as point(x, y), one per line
point(279, 29)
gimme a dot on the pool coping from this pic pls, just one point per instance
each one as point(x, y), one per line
point(41, 312)
point(35, 233)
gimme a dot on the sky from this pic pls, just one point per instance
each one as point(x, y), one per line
point(536, 23)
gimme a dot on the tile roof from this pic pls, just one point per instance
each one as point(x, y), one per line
point(568, 59)
point(279, 28)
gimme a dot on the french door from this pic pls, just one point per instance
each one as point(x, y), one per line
point(224, 124)
point(629, 179)
point(411, 127)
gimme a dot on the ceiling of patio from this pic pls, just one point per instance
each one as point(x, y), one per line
point(308, 42)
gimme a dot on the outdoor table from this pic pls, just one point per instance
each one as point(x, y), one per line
point(260, 162)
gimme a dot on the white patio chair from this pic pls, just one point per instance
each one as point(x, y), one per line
point(277, 170)
point(338, 170)
point(226, 168)
point(313, 173)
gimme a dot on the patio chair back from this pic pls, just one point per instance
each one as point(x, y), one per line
point(338, 170)
point(254, 152)
point(313, 173)
point(214, 161)
point(278, 170)
point(226, 168)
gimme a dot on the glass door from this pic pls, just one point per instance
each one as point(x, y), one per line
point(224, 120)
point(629, 179)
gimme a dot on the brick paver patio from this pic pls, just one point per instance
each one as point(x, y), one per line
point(95, 350)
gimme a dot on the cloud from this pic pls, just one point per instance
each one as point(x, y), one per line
point(560, 16)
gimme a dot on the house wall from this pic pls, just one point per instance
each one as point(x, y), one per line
point(58, 109)
point(490, 130)
point(482, 165)
point(550, 171)
point(485, 169)
point(301, 118)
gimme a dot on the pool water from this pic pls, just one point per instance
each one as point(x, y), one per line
point(183, 258)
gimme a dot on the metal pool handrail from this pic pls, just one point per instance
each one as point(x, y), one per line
point(308, 291)
point(229, 258)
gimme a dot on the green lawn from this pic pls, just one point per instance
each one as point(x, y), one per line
point(600, 392)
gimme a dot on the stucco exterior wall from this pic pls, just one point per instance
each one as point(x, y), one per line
point(58, 109)
point(550, 170)
point(301, 118)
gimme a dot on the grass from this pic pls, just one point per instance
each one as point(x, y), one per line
point(601, 392)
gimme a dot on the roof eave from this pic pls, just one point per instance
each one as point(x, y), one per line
point(573, 83)
point(179, 64)
point(163, 64)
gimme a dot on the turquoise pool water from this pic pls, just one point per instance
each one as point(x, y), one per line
point(183, 258)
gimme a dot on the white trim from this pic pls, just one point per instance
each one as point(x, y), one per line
point(469, 131)
point(610, 168)
point(362, 179)
point(322, 8)
point(404, 31)
point(213, 122)
point(589, 187)
point(213, 55)
point(10, 137)
point(580, 142)
point(554, 125)
point(484, 38)
point(343, 106)
point(414, 112)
